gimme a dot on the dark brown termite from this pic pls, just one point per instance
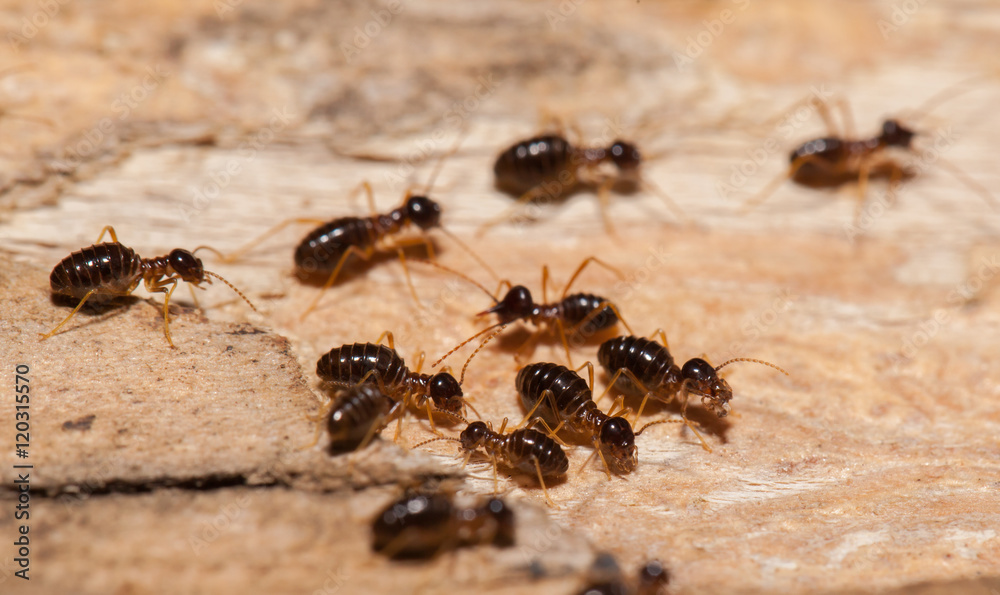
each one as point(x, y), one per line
point(354, 416)
point(108, 270)
point(605, 578)
point(842, 156)
point(644, 367)
point(425, 525)
point(527, 450)
point(577, 315)
point(560, 397)
point(549, 167)
point(325, 250)
point(359, 363)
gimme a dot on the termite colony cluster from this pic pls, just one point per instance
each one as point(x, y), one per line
point(371, 386)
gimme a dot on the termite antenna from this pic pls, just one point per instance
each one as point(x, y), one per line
point(756, 361)
point(435, 440)
point(947, 94)
point(470, 251)
point(430, 185)
point(210, 249)
point(478, 349)
point(219, 277)
point(757, 198)
point(658, 422)
point(466, 403)
point(966, 179)
point(463, 344)
point(464, 132)
point(233, 287)
point(458, 416)
point(666, 200)
point(458, 274)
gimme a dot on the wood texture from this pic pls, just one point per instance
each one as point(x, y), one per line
point(874, 466)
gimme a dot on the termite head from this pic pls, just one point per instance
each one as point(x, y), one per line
point(515, 305)
point(618, 445)
point(187, 266)
point(474, 435)
point(503, 521)
point(625, 156)
point(895, 134)
point(423, 212)
point(446, 392)
point(399, 530)
point(653, 577)
point(702, 379)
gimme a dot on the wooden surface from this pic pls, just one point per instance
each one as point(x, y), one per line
point(874, 466)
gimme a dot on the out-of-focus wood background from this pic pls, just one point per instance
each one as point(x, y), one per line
point(875, 466)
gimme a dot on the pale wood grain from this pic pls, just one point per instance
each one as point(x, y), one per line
point(874, 466)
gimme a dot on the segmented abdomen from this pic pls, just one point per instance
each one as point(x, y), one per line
point(356, 410)
point(649, 361)
point(577, 307)
point(531, 162)
point(526, 446)
point(571, 392)
point(830, 150)
point(415, 526)
point(321, 250)
point(347, 365)
point(111, 268)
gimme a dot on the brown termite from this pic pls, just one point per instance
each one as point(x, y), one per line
point(653, 578)
point(359, 363)
point(550, 167)
point(559, 396)
point(605, 578)
point(524, 449)
point(640, 366)
point(842, 156)
point(354, 416)
point(578, 314)
point(424, 525)
point(325, 250)
point(108, 270)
